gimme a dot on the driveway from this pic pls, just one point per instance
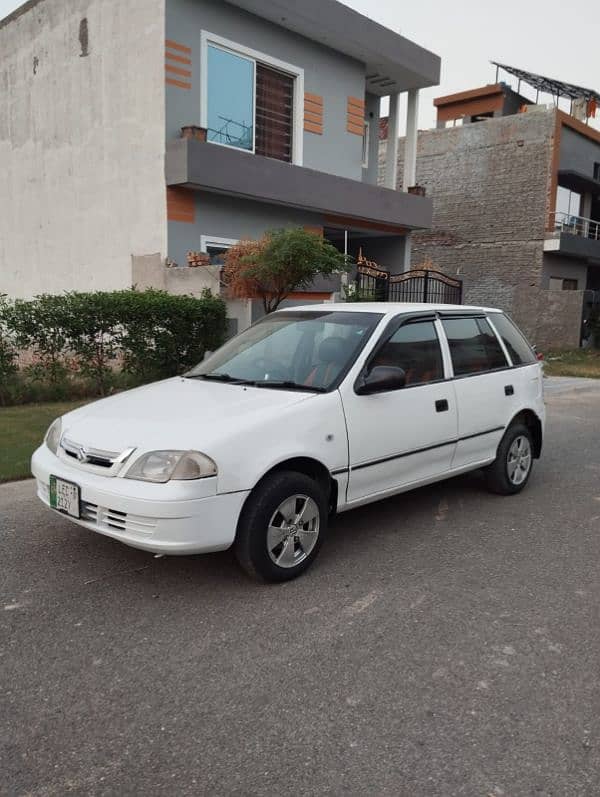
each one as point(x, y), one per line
point(446, 642)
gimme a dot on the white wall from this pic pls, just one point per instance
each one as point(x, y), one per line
point(82, 142)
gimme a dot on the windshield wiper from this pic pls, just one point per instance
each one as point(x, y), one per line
point(219, 377)
point(287, 384)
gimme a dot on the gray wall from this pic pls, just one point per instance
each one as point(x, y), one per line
point(332, 75)
point(229, 217)
point(577, 152)
point(372, 103)
point(564, 268)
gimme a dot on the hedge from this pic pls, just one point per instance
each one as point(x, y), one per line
point(78, 344)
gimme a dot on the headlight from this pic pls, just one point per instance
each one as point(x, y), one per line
point(52, 438)
point(162, 466)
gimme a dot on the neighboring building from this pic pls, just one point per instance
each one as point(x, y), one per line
point(516, 193)
point(100, 189)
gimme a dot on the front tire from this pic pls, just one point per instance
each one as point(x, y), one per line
point(282, 526)
point(510, 471)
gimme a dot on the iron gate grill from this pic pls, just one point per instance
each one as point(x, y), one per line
point(419, 285)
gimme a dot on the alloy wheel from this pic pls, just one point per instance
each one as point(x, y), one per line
point(293, 531)
point(518, 463)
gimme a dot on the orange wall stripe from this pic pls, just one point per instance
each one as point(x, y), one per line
point(176, 46)
point(316, 118)
point(177, 70)
point(310, 106)
point(355, 101)
point(179, 83)
point(181, 205)
point(310, 127)
point(316, 98)
point(313, 113)
point(356, 129)
point(179, 58)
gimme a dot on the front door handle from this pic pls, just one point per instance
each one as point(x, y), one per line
point(441, 405)
point(509, 390)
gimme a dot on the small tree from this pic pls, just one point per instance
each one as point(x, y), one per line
point(280, 263)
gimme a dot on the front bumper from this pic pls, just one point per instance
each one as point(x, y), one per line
point(143, 515)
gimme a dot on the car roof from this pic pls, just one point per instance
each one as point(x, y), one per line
point(390, 308)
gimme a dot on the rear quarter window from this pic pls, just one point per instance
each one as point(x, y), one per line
point(519, 350)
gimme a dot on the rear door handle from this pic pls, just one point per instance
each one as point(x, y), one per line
point(441, 405)
point(509, 390)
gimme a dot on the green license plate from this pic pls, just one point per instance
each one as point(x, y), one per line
point(64, 496)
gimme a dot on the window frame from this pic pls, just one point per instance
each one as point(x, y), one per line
point(474, 316)
point(297, 73)
point(490, 318)
point(390, 330)
point(214, 240)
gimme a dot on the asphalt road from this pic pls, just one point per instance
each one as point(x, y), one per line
point(446, 642)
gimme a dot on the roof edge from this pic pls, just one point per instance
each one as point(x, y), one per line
point(19, 12)
point(460, 96)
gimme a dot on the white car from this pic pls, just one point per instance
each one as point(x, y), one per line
point(311, 411)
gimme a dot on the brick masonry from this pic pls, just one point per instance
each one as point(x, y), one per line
point(490, 183)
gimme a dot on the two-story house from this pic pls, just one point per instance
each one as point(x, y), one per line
point(280, 101)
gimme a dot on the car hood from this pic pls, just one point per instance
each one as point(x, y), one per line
point(176, 414)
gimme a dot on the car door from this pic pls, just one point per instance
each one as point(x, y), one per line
point(405, 435)
point(483, 384)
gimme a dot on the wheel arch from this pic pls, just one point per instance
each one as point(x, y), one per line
point(534, 424)
point(311, 467)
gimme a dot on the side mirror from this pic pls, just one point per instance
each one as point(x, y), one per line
point(380, 379)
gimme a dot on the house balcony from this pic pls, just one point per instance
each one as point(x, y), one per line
point(199, 165)
point(574, 236)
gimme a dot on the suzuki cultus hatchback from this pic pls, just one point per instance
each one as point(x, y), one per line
point(310, 412)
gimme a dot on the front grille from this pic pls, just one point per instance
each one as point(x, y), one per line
point(86, 455)
point(114, 519)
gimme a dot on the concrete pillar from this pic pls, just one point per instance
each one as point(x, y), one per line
point(407, 248)
point(585, 209)
point(410, 142)
point(391, 154)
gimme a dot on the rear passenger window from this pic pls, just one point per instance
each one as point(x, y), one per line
point(415, 348)
point(473, 346)
point(519, 350)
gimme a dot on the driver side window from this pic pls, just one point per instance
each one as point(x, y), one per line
point(415, 348)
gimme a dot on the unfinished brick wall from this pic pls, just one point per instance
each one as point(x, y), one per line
point(490, 184)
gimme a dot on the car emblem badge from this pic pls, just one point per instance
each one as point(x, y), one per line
point(81, 454)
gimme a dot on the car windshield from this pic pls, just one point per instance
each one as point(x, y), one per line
point(291, 350)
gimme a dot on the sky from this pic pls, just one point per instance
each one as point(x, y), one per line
point(550, 37)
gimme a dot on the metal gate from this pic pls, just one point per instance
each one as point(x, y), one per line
point(419, 285)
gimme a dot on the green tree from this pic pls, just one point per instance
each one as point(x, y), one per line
point(283, 261)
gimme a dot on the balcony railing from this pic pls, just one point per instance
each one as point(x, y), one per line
point(576, 225)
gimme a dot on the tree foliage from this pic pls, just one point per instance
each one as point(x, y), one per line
point(281, 262)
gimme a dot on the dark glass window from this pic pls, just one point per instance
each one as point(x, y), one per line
point(473, 346)
point(415, 348)
point(519, 350)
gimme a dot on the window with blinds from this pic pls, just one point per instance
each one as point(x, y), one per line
point(274, 113)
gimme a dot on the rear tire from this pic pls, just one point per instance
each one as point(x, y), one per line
point(510, 471)
point(281, 527)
